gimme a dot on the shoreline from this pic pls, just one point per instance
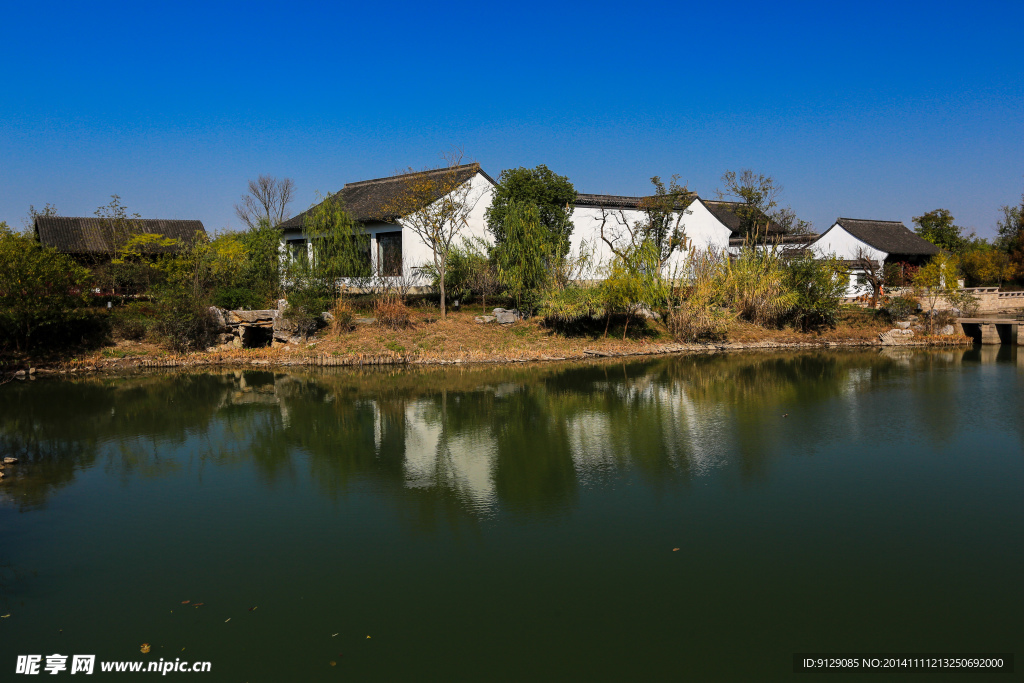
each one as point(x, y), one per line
point(277, 358)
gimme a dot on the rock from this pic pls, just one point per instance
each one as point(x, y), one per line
point(947, 329)
point(327, 317)
point(506, 316)
point(485, 319)
point(251, 317)
point(20, 374)
point(646, 313)
point(9, 460)
point(31, 371)
point(903, 325)
point(282, 304)
point(218, 318)
point(896, 336)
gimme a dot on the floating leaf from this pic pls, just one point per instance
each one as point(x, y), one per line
point(334, 634)
point(4, 616)
point(367, 636)
point(227, 620)
point(185, 602)
point(333, 663)
point(675, 549)
point(144, 649)
point(251, 608)
point(199, 604)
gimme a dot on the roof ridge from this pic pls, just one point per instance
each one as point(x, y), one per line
point(868, 220)
point(403, 176)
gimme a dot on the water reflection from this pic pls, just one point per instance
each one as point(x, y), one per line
point(458, 443)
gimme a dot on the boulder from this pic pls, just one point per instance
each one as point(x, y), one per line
point(507, 316)
point(646, 313)
point(896, 336)
point(218, 318)
point(947, 329)
point(327, 317)
point(903, 325)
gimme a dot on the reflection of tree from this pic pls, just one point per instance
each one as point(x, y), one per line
point(444, 442)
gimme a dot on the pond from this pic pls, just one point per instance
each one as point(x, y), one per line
point(699, 517)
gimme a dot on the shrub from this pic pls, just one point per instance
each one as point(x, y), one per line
point(128, 326)
point(39, 289)
point(391, 311)
point(966, 302)
point(756, 284)
point(234, 298)
point(819, 286)
point(183, 320)
point(899, 307)
point(693, 322)
point(343, 316)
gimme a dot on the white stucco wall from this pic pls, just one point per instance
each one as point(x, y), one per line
point(416, 254)
point(702, 230)
point(838, 242)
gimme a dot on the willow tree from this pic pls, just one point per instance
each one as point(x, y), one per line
point(520, 256)
point(436, 205)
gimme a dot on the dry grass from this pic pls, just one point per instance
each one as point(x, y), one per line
point(427, 339)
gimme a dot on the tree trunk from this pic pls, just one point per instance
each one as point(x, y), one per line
point(607, 322)
point(441, 282)
point(626, 327)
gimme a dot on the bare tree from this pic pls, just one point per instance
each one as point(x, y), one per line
point(661, 226)
point(267, 201)
point(874, 272)
point(436, 206)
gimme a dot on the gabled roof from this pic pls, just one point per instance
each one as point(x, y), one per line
point(97, 236)
point(368, 200)
point(728, 214)
point(891, 237)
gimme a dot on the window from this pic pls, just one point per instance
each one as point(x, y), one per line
point(297, 251)
point(389, 253)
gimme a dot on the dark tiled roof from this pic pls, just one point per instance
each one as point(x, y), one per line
point(889, 236)
point(612, 201)
point(95, 235)
point(368, 200)
point(728, 214)
point(802, 240)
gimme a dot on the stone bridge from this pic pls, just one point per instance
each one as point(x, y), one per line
point(992, 330)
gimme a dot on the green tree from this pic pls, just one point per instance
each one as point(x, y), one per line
point(758, 195)
point(938, 228)
point(936, 279)
point(552, 194)
point(39, 287)
point(340, 251)
point(520, 256)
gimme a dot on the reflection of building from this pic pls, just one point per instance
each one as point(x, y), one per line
point(462, 462)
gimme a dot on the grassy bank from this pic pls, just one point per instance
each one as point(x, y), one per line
point(459, 339)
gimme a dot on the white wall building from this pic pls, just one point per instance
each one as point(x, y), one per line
point(851, 239)
point(396, 251)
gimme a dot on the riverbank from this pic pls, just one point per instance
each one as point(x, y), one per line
point(459, 339)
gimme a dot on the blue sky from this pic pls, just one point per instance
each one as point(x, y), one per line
point(869, 110)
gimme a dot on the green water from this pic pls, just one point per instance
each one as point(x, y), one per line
point(519, 523)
